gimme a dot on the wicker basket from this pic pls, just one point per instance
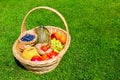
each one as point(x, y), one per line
point(48, 65)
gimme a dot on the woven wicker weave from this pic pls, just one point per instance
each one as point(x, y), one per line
point(48, 65)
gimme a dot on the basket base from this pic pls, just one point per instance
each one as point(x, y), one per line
point(46, 70)
point(43, 69)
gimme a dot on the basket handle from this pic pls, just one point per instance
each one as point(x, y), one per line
point(23, 28)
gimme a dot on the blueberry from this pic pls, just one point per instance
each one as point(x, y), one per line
point(28, 37)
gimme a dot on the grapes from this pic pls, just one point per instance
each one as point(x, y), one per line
point(56, 45)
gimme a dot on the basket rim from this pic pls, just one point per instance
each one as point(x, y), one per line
point(31, 63)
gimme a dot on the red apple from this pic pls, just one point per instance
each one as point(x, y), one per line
point(49, 56)
point(53, 54)
point(36, 58)
point(55, 35)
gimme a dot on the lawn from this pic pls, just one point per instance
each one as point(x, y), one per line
point(94, 26)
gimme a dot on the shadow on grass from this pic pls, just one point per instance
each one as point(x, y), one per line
point(19, 64)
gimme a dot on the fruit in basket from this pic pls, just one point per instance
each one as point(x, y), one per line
point(28, 53)
point(44, 57)
point(28, 37)
point(56, 45)
point(52, 54)
point(36, 58)
point(55, 35)
point(48, 56)
point(45, 47)
point(62, 39)
point(43, 35)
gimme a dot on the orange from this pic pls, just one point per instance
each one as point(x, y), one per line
point(57, 35)
point(62, 39)
point(44, 57)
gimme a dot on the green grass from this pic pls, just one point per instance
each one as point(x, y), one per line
point(94, 27)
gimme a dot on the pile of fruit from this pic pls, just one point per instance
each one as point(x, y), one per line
point(46, 50)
